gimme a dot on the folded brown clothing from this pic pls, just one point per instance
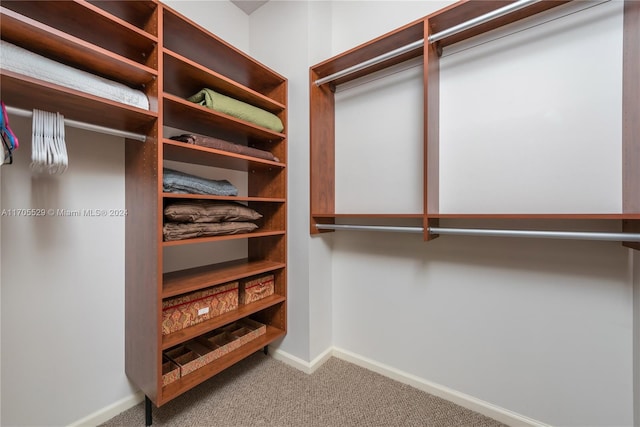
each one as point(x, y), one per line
point(219, 144)
point(208, 211)
point(190, 230)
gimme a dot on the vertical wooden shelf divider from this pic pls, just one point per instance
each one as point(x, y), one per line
point(322, 156)
point(630, 116)
point(143, 237)
point(431, 131)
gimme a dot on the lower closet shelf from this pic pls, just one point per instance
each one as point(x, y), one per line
point(200, 375)
point(194, 331)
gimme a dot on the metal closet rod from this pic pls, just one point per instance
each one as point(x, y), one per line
point(572, 235)
point(512, 7)
point(85, 126)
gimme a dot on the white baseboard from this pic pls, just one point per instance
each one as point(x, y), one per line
point(105, 414)
point(296, 362)
point(485, 408)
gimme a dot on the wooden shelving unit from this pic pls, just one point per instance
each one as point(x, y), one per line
point(322, 106)
point(150, 47)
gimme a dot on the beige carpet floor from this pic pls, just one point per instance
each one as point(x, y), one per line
point(261, 391)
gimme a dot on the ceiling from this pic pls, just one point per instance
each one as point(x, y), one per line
point(248, 6)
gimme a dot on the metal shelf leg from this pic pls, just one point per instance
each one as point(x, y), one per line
point(148, 420)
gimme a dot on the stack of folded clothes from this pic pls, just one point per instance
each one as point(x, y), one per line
point(188, 219)
point(179, 182)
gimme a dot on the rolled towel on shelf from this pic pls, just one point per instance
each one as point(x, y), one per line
point(239, 109)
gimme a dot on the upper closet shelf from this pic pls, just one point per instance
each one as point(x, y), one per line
point(140, 13)
point(191, 40)
point(73, 104)
point(61, 46)
point(90, 23)
point(184, 77)
point(468, 12)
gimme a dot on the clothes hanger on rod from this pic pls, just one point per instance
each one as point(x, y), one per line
point(60, 140)
point(49, 151)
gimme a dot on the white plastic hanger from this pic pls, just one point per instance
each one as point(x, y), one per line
point(62, 146)
point(36, 151)
point(49, 150)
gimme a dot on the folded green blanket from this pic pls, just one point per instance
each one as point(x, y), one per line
point(241, 110)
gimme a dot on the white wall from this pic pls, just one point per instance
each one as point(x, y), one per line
point(379, 167)
point(541, 328)
point(546, 114)
point(289, 37)
point(320, 253)
point(62, 313)
point(63, 285)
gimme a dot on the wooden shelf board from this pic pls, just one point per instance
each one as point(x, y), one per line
point(186, 334)
point(73, 104)
point(50, 42)
point(393, 40)
point(222, 238)
point(106, 30)
point(464, 11)
point(138, 13)
point(186, 77)
point(182, 114)
point(191, 40)
point(182, 281)
point(189, 381)
point(190, 153)
point(226, 198)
